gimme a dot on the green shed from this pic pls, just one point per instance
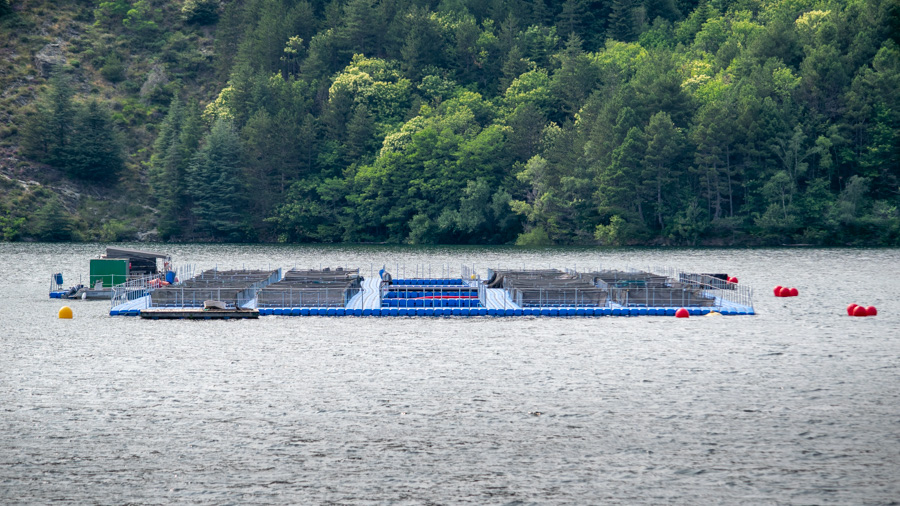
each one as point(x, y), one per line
point(110, 271)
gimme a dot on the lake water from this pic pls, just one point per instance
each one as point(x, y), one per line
point(799, 404)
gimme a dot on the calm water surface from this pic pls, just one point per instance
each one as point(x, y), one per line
point(799, 404)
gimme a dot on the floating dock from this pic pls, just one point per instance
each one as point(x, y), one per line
point(502, 293)
point(192, 313)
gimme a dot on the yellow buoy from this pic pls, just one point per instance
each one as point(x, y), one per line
point(714, 313)
point(65, 312)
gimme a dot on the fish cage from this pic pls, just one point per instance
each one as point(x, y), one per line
point(630, 288)
point(636, 288)
point(715, 286)
point(312, 288)
point(548, 288)
point(236, 288)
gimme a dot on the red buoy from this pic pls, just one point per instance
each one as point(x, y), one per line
point(860, 311)
point(850, 309)
point(794, 292)
point(777, 290)
point(785, 292)
point(871, 311)
point(733, 280)
point(682, 313)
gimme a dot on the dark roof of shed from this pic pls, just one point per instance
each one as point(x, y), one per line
point(132, 253)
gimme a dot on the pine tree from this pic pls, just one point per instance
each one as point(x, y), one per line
point(202, 12)
point(666, 9)
point(662, 164)
point(509, 33)
point(95, 152)
point(272, 156)
point(571, 17)
point(188, 142)
point(359, 29)
point(5, 8)
point(360, 133)
point(52, 223)
point(216, 183)
point(527, 123)
point(168, 134)
point(513, 66)
point(177, 142)
point(36, 139)
point(618, 184)
point(229, 32)
point(576, 77)
point(712, 157)
point(622, 20)
point(881, 160)
point(539, 13)
point(46, 134)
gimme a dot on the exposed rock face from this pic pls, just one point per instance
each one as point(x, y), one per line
point(148, 236)
point(156, 78)
point(48, 58)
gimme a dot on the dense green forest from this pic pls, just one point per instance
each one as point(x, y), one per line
point(614, 122)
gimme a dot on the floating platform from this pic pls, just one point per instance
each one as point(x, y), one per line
point(83, 293)
point(190, 313)
point(468, 312)
point(503, 293)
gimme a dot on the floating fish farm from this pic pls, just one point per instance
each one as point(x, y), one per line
point(215, 294)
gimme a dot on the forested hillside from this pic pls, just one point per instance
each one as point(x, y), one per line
point(457, 121)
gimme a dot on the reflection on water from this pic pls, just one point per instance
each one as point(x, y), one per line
point(797, 404)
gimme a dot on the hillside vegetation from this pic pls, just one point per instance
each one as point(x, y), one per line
point(612, 122)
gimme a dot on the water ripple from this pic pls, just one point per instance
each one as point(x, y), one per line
point(799, 404)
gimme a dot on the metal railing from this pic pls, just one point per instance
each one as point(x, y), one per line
point(307, 297)
point(56, 282)
point(135, 288)
point(416, 271)
point(180, 297)
point(234, 288)
point(660, 297)
point(100, 281)
point(467, 273)
point(562, 297)
point(141, 286)
point(724, 291)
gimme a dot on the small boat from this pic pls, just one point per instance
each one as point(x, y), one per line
point(114, 267)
